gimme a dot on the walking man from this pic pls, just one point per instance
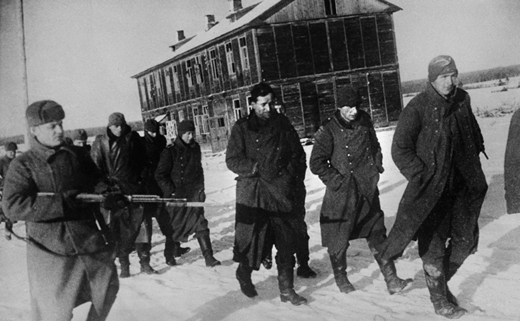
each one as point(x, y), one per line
point(265, 152)
point(69, 260)
point(180, 175)
point(347, 158)
point(120, 156)
point(436, 146)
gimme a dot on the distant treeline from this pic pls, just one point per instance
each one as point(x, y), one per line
point(414, 86)
point(92, 131)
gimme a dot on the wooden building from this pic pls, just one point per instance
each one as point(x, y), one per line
point(308, 50)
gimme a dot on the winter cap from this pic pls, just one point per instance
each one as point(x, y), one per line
point(116, 119)
point(441, 65)
point(43, 112)
point(79, 134)
point(185, 126)
point(151, 125)
point(11, 146)
point(348, 97)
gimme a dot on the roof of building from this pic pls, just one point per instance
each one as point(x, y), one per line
point(245, 17)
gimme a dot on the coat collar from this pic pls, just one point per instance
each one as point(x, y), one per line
point(47, 153)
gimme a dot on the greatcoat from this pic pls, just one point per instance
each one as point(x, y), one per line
point(69, 257)
point(512, 166)
point(180, 172)
point(347, 158)
point(436, 146)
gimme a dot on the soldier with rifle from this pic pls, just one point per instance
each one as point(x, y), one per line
point(70, 258)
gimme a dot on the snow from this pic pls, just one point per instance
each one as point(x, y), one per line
point(486, 285)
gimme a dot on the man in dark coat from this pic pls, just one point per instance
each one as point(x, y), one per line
point(69, 258)
point(10, 154)
point(265, 152)
point(120, 155)
point(155, 143)
point(512, 166)
point(347, 158)
point(180, 175)
point(79, 138)
point(436, 146)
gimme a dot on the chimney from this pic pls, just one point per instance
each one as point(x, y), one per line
point(235, 5)
point(210, 21)
point(180, 35)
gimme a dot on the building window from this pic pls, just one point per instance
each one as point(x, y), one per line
point(249, 104)
point(330, 7)
point(190, 72)
point(176, 84)
point(198, 70)
point(236, 109)
point(213, 58)
point(244, 58)
point(181, 115)
point(201, 121)
point(230, 59)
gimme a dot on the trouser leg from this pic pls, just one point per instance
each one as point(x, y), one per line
point(338, 261)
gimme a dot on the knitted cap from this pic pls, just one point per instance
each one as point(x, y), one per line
point(185, 126)
point(348, 97)
point(43, 112)
point(151, 125)
point(79, 134)
point(441, 65)
point(11, 146)
point(116, 119)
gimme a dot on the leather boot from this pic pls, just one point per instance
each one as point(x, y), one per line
point(451, 268)
point(169, 250)
point(286, 285)
point(143, 251)
point(207, 251)
point(124, 261)
point(243, 275)
point(180, 251)
point(436, 282)
point(304, 270)
point(339, 268)
point(394, 284)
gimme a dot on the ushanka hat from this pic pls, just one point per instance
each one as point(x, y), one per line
point(116, 119)
point(79, 134)
point(151, 125)
point(441, 65)
point(11, 146)
point(185, 126)
point(43, 112)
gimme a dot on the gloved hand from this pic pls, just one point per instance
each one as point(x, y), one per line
point(114, 200)
point(69, 198)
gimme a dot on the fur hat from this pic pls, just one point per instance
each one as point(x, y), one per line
point(185, 126)
point(151, 125)
point(441, 65)
point(11, 146)
point(79, 134)
point(116, 119)
point(43, 112)
point(348, 97)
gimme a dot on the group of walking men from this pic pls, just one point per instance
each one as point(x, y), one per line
point(72, 245)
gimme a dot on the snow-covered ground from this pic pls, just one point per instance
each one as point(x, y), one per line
point(487, 285)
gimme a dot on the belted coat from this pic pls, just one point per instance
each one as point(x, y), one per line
point(347, 158)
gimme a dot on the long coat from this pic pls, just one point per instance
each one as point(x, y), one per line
point(433, 136)
point(347, 158)
point(68, 257)
point(154, 146)
point(121, 161)
point(180, 172)
point(4, 166)
point(512, 166)
point(268, 161)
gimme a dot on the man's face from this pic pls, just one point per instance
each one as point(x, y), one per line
point(50, 134)
point(262, 106)
point(10, 154)
point(348, 113)
point(445, 83)
point(187, 137)
point(116, 130)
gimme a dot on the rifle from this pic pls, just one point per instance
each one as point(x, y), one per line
point(138, 198)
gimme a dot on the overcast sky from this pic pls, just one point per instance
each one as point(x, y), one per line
point(82, 53)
